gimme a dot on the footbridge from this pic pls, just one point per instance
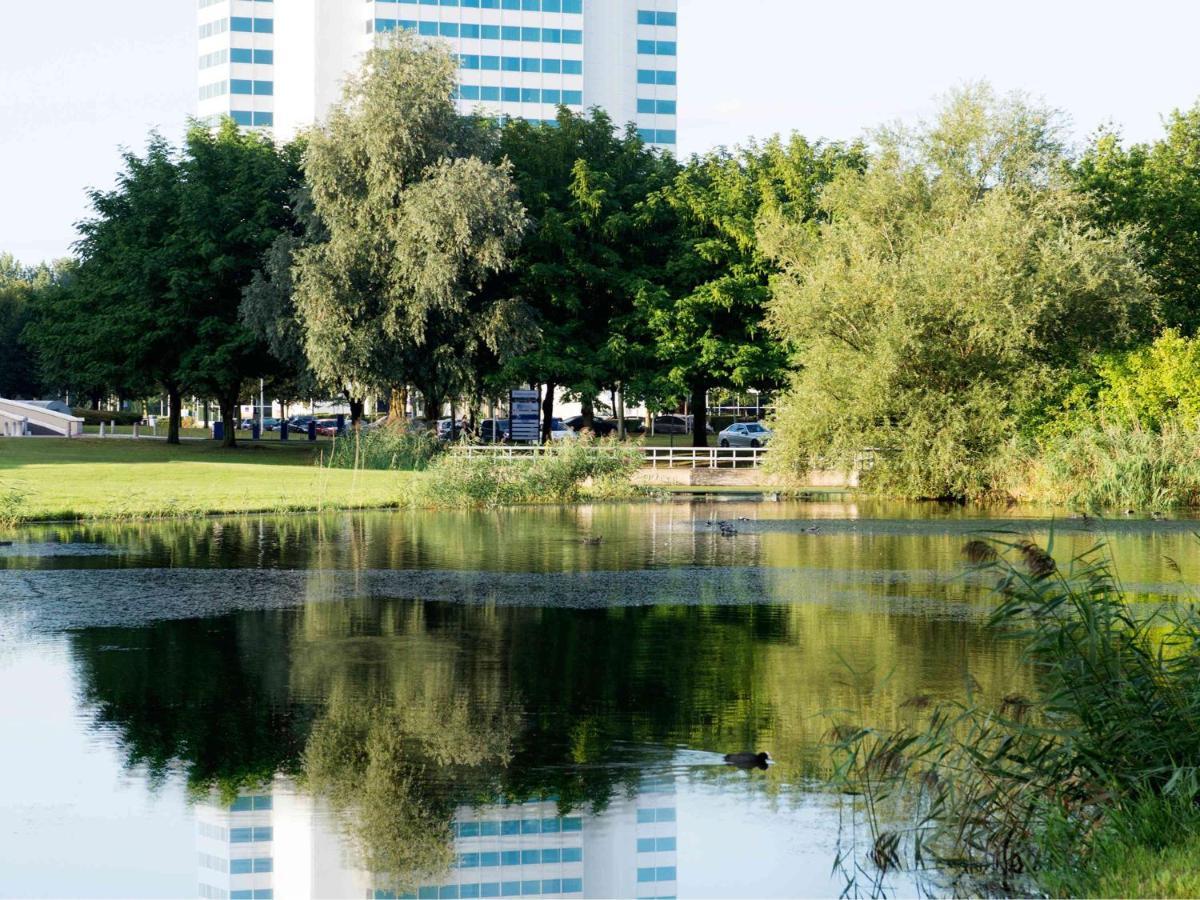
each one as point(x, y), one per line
point(20, 419)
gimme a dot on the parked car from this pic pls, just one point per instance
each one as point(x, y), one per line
point(493, 431)
point(670, 425)
point(450, 431)
point(245, 425)
point(271, 424)
point(560, 432)
point(327, 427)
point(746, 434)
point(600, 427)
point(299, 424)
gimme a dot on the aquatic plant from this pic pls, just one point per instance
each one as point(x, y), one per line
point(388, 447)
point(1030, 793)
point(560, 473)
point(12, 505)
point(1115, 467)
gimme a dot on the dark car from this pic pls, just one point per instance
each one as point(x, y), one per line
point(450, 431)
point(299, 424)
point(493, 431)
point(601, 427)
point(677, 425)
point(670, 425)
point(271, 424)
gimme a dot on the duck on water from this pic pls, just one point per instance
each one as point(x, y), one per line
point(748, 760)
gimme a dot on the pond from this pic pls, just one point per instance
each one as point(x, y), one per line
point(529, 702)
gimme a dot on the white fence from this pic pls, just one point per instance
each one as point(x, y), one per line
point(654, 457)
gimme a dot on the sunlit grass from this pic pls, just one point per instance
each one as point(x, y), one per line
point(93, 478)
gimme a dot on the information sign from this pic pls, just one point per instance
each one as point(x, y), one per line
point(524, 409)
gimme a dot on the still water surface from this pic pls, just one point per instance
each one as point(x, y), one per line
point(483, 704)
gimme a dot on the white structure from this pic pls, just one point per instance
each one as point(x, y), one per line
point(19, 418)
point(281, 65)
point(279, 843)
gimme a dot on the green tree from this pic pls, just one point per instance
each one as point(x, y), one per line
point(938, 308)
point(709, 326)
point(235, 191)
point(1155, 188)
point(22, 288)
point(416, 223)
point(591, 250)
point(116, 328)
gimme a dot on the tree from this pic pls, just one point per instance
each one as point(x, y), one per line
point(941, 302)
point(235, 191)
point(592, 248)
point(1154, 188)
point(21, 290)
point(117, 327)
point(709, 325)
point(416, 223)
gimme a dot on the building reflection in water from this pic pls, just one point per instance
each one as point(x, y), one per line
point(280, 842)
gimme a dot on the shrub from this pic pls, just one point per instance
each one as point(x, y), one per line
point(386, 447)
point(559, 473)
point(1034, 793)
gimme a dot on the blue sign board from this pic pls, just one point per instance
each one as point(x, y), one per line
point(524, 411)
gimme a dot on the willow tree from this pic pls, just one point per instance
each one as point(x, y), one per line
point(939, 306)
point(416, 224)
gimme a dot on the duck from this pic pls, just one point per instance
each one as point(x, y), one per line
point(748, 760)
point(592, 541)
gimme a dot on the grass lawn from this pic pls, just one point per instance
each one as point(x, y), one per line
point(1171, 872)
point(93, 478)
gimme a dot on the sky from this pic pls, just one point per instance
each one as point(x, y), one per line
point(81, 79)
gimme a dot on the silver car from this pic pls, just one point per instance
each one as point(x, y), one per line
point(745, 434)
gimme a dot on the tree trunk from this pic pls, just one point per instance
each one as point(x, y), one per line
point(174, 414)
point(547, 413)
point(398, 404)
point(229, 411)
point(589, 415)
point(356, 413)
point(699, 415)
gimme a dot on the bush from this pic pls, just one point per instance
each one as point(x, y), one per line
point(96, 416)
point(1114, 467)
point(561, 473)
point(387, 447)
point(1042, 793)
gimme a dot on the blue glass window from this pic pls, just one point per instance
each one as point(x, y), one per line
point(572, 854)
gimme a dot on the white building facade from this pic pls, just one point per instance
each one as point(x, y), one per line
point(280, 64)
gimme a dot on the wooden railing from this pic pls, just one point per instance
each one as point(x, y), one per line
point(653, 457)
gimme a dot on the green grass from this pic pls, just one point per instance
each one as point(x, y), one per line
point(1172, 871)
point(93, 478)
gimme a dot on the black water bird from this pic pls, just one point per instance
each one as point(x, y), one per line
point(748, 760)
point(592, 541)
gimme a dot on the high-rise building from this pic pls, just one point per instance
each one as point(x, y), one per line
point(281, 65)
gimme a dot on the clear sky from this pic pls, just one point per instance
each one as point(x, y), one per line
point(81, 78)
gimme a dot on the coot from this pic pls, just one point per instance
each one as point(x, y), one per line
point(748, 760)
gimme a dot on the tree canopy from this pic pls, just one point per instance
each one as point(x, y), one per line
point(416, 221)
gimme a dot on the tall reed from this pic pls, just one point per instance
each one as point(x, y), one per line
point(1008, 796)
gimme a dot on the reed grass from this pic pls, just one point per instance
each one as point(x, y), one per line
point(1037, 794)
point(385, 448)
point(1115, 467)
point(562, 473)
